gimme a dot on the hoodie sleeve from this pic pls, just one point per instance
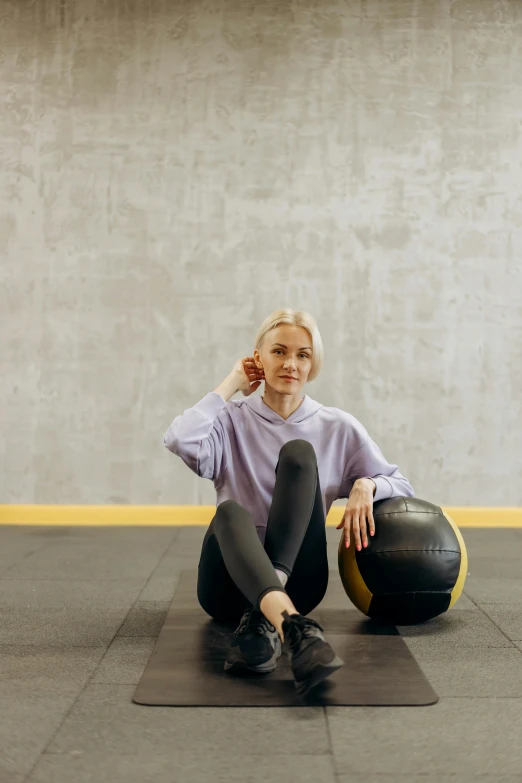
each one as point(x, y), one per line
point(369, 462)
point(198, 436)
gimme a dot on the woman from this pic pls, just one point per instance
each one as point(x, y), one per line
point(278, 462)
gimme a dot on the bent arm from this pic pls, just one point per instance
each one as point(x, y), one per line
point(369, 463)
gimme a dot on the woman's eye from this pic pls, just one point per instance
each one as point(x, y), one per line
point(278, 350)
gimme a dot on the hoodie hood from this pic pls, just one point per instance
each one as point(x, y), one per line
point(259, 408)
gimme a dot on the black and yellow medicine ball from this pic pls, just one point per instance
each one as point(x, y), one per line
point(413, 568)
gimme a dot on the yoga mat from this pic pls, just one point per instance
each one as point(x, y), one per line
point(185, 668)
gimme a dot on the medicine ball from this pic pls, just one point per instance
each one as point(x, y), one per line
point(414, 566)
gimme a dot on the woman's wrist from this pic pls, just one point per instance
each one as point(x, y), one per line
point(228, 387)
point(368, 482)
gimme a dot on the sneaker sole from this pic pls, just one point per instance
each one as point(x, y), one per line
point(319, 673)
point(261, 668)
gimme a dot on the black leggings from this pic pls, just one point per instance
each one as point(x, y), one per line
point(236, 570)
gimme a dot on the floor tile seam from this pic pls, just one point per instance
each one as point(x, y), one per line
point(71, 646)
point(28, 554)
point(175, 578)
point(94, 580)
point(479, 608)
point(59, 727)
point(498, 627)
point(174, 539)
point(126, 687)
point(441, 700)
point(474, 604)
point(195, 752)
point(49, 647)
point(65, 647)
point(336, 773)
point(46, 647)
point(135, 683)
point(89, 679)
point(132, 607)
point(464, 647)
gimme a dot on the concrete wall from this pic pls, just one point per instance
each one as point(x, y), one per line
point(173, 171)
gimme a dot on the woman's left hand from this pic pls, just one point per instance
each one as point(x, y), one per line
point(358, 510)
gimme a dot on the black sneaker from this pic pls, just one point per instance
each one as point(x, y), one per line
point(313, 659)
point(255, 646)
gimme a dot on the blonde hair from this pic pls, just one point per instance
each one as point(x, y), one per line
point(285, 315)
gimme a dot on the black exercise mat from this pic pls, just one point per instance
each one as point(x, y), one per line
point(186, 665)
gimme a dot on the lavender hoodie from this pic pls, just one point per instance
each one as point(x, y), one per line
point(236, 445)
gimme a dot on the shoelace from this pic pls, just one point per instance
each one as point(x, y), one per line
point(301, 627)
point(254, 620)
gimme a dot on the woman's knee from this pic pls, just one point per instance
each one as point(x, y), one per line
point(232, 520)
point(228, 513)
point(227, 505)
point(298, 452)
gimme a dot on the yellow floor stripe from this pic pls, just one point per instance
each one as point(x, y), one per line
point(464, 516)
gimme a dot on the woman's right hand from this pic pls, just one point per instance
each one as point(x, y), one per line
point(249, 375)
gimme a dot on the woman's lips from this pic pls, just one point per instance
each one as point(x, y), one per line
point(288, 378)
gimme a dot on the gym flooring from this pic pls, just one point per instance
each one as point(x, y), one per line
point(81, 609)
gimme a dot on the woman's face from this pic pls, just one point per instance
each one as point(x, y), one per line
point(286, 350)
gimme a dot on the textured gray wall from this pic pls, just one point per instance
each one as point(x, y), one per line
point(173, 171)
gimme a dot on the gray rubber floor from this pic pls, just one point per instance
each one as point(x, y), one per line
point(81, 609)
